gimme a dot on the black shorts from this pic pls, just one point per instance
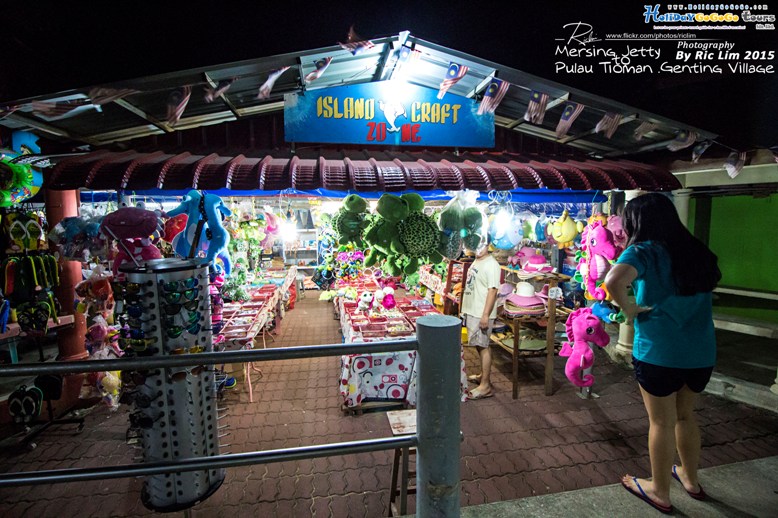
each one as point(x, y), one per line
point(662, 381)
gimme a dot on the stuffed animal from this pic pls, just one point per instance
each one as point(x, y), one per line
point(213, 238)
point(174, 226)
point(564, 230)
point(599, 250)
point(378, 296)
point(582, 327)
point(136, 228)
point(389, 302)
point(18, 182)
point(365, 301)
point(616, 226)
point(349, 222)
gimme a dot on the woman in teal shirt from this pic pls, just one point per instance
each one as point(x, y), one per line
point(672, 274)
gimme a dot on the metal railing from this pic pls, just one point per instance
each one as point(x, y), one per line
point(437, 417)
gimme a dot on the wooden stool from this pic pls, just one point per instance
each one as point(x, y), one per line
point(402, 422)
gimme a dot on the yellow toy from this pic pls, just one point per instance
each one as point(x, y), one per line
point(564, 230)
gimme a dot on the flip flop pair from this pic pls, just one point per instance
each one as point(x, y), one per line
point(666, 509)
point(699, 495)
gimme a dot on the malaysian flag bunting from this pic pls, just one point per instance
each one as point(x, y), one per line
point(645, 128)
point(355, 44)
point(735, 163)
point(569, 114)
point(57, 109)
point(683, 140)
point(267, 86)
point(493, 96)
point(608, 124)
point(321, 65)
point(536, 109)
point(454, 73)
point(699, 149)
point(176, 104)
point(408, 54)
point(100, 96)
point(221, 88)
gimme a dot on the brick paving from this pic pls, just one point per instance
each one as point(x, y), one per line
point(512, 448)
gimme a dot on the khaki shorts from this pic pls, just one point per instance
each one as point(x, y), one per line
point(476, 337)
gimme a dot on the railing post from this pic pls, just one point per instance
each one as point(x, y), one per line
point(437, 416)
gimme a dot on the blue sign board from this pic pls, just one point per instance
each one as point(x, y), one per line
point(392, 113)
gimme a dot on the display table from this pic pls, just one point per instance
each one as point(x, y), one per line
point(384, 377)
point(243, 322)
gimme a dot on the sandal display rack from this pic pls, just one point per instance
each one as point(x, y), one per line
point(176, 407)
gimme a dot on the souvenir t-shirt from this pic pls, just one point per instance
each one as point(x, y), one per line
point(678, 332)
point(482, 275)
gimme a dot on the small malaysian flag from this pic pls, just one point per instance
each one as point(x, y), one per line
point(267, 86)
point(608, 124)
point(683, 139)
point(321, 65)
point(699, 149)
point(493, 96)
point(176, 104)
point(454, 73)
point(407, 54)
point(57, 109)
point(536, 109)
point(355, 43)
point(735, 163)
point(222, 86)
point(100, 96)
point(569, 114)
point(644, 128)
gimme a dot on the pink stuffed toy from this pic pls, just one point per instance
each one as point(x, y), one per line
point(389, 302)
point(616, 226)
point(136, 228)
point(600, 249)
point(582, 327)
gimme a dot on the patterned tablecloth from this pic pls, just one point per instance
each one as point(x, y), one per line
point(383, 376)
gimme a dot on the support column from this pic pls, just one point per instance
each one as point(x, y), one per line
point(60, 205)
point(681, 200)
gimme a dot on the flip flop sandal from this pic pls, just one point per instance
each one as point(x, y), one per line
point(15, 406)
point(473, 394)
point(37, 394)
point(699, 495)
point(666, 509)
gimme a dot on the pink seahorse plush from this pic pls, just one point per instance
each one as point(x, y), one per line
point(582, 327)
point(600, 249)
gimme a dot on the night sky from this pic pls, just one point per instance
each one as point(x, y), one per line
point(49, 48)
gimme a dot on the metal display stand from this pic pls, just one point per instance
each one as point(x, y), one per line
point(177, 410)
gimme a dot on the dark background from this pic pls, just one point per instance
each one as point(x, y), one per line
point(50, 47)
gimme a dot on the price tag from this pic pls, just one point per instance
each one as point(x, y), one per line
point(555, 293)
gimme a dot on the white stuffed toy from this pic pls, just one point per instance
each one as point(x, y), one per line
point(365, 301)
point(378, 297)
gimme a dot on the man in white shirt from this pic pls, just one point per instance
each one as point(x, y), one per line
point(479, 309)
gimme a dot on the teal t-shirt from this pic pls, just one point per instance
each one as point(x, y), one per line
point(678, 332)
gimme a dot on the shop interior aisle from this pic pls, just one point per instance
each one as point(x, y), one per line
point(512, 449)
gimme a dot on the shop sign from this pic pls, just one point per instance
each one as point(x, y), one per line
point(391, 113)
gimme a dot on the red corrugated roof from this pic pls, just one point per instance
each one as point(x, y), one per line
point(133, 170)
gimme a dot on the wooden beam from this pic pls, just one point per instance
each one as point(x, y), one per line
point(164, 126)
point(223, 97)
point(49, 128)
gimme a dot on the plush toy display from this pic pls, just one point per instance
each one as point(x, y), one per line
point(564, 230)
point(136, 228)
point(598, 251)
point(214, 238)
point(388, 301)
point(582, 327)
point(18, 182)
point(401, 235)
point(79, 238)
point(365, 302)
point(350, 221)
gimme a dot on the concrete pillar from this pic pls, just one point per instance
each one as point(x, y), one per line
point(60, 205)
point(681, 200)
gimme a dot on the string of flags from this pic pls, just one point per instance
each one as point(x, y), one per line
point(536, 109)
point(176, 104)
point(267, 86)
point(221, 88)
point(608, 124)
point(683, 139)
point(454, 73)
point(320, 66)
point(355, 43)
point(735, 163)
point(493, 96)
point(569, 114)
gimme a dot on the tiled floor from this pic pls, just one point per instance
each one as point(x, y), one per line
point(512, 448)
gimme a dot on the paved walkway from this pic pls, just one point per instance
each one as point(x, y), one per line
point(513, 449)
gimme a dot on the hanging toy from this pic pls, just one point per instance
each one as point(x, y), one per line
point(599, 250)
point(582, 327)
point(505, 232)
point(565, 229)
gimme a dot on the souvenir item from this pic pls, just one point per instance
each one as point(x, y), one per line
point(582, 327)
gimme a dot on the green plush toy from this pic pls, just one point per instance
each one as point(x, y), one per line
point(473, 227)
point(349, 222)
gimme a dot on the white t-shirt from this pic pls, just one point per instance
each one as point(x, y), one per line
point(483, 275)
